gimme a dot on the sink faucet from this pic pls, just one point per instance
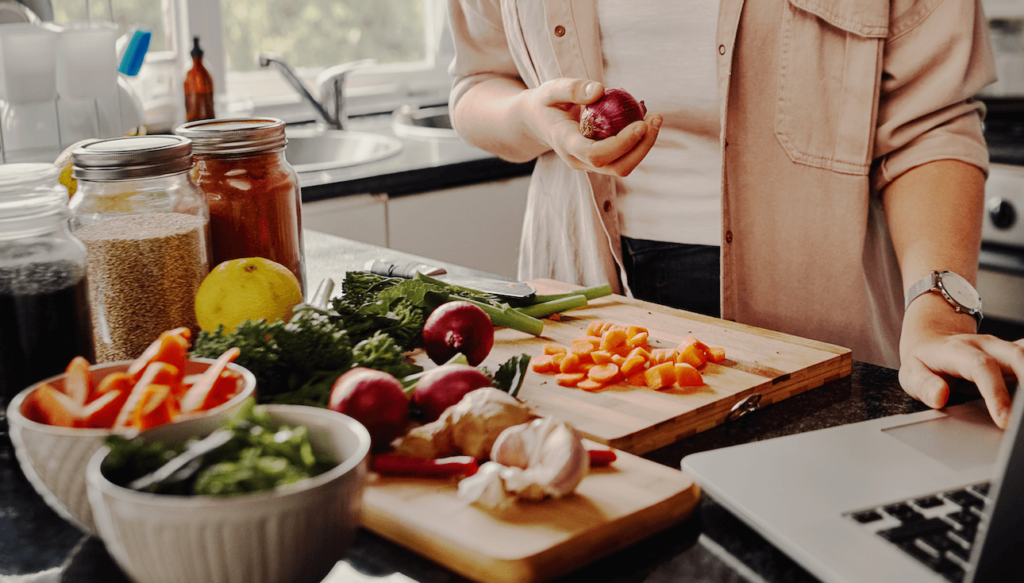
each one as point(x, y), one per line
point(331, 107)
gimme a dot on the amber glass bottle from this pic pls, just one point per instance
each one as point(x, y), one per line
point(198, 87)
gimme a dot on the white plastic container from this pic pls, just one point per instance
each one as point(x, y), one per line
point(87, 60)
point(28, 63)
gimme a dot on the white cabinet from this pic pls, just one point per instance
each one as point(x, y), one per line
point(475, 226)
point(360, 217)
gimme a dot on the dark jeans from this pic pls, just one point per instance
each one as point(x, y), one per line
point(687, 277)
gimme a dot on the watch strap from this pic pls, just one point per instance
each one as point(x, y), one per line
point(932, 282)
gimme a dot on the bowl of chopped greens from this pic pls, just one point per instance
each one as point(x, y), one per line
point(273, 493)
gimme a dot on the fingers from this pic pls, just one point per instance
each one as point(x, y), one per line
point(979, 359)
point(617, 155)
point(570, 91)
point(923, 384)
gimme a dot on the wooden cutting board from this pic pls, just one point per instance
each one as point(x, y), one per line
point(612, 508)
point(636, 420)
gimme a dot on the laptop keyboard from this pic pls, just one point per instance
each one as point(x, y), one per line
point(938, 529)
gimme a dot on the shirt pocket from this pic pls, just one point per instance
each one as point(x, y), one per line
point(830, 57)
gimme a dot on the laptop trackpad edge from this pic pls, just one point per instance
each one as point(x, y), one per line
point(965, 439)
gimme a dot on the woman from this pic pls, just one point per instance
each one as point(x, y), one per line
point(852, 165)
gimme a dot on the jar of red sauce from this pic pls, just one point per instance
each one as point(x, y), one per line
point(252, 191)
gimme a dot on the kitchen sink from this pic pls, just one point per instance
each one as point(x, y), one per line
point(429, 122)
point(311, 149)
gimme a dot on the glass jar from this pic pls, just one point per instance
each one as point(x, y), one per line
point(44, 304)
point(253, 192)
point(146, 228)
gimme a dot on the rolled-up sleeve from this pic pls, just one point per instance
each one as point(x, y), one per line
point(481, 49)
point(937, 58)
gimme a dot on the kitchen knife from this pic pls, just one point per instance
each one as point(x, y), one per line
point(498, 287)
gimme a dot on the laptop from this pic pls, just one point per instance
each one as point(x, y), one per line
point(934, 496)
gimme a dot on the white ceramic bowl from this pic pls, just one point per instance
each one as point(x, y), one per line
point(54, 458)
point(295, 533)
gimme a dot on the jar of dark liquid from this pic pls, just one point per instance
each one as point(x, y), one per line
point(44, 304)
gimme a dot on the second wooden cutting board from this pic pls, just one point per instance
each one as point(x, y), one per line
point(761, 367)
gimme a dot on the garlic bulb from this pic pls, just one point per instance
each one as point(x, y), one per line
point(541, 459)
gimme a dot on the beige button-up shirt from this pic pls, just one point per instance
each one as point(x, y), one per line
point(824, 102)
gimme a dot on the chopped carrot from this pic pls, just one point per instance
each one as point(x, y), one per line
point(554, 349)
point(637, 340)
point(543, 364)
point(663, 355)
point(197, 393)
point(56, 408)
point(618, 359)
point(585, 366)
point(594, 328)
point(590, 385)
point(224, 388)
point(603, 373)
point(138, 366)
point(716, 354)
point(641, 352)
point(595, 341)
point(570, 363)
point(693, 356)
point(558, 358)
point(661, 376)
point(555, 317)
point(101, 412)
point(638, 379)
point(601, 356)
point(78, 380)
point(569, 379)
point(632, 364)
point(687, 375)
point(582, 350)
point(691, 340)
point(632, 331)
point(613, 339)
point(156, 406)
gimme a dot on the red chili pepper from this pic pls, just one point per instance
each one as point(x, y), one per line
point(600, 458)
point(393, 464)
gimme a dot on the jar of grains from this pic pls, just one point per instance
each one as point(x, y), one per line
point(44, 305)
point(146, 228)
point(252, 191)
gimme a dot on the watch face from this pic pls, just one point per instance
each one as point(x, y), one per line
point(960, 290)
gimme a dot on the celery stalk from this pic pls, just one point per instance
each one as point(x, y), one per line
point(591, 293)
point(511, 318)
point(560, 304)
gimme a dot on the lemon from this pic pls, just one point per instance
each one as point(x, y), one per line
point(64, 162)
point(246, 289)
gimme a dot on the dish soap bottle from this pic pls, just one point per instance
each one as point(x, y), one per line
point(198, 87)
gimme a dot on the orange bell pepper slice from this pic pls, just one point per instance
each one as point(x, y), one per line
point(102, 411)
point(197, 394)
point(157, 347)
point(78, 380)
point(55, 408)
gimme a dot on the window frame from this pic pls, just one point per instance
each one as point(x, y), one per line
point(377, 89)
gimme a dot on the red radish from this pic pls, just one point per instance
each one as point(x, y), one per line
point(375, 399)
point(455, 327)
point(445, 386)
point(610, 114)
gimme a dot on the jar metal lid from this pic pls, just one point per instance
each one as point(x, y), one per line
point(130, 158)
point(234, 136)
point(30, 190)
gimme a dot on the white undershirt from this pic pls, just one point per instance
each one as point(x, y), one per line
point(664, 53)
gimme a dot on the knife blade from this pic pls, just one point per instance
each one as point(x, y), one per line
point(498, 287)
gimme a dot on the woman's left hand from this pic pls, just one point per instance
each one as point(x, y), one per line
point(937, 348)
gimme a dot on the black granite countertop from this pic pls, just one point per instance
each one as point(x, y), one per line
point(711, 546)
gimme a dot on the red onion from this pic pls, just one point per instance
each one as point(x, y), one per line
point(607, 116)
point(445, 386)
point(375, 399)
point(456, 327)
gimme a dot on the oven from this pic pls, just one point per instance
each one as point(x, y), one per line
point(1001, 264)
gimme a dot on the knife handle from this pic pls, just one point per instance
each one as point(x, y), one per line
point(406, 270)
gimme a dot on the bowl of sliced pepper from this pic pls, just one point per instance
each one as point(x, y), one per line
point(57, 424)
point(272, 493)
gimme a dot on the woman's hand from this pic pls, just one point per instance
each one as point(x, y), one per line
point(550, 115)
point(937, 346)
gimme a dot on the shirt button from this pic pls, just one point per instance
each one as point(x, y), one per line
point(728, 236)
point(721, 48)
point(559, 30)
point(607, 205)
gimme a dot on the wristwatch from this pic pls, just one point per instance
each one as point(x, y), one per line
point(958, 292)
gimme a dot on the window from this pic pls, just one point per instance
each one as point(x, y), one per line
point(154, 14)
